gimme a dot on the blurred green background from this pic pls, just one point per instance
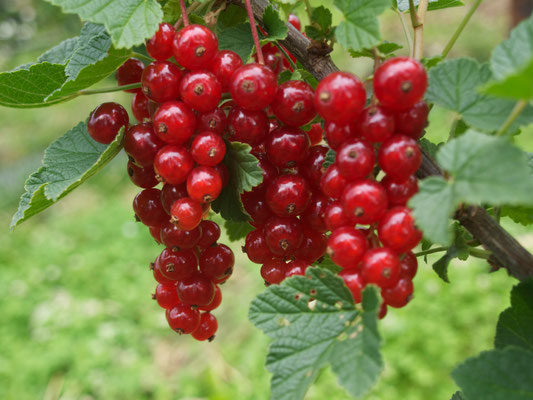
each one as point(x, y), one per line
point(76, 317)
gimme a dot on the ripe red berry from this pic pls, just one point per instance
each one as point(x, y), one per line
point(253, 86)
point(208, 149)
point(158, 275)
point(336, 134)
point(296, 267)
point(313, 246)
point(376, 124)
point(269, 171)
point(382, 311)
point(212, 121)
point(159, 47)
point(130, 72)
point(210, 234)
point(313, 216)
point(273, 271)
point(174, 122)
point(186, 213)
point(142, 144)
point(288, 195)
point(255, 205)
point(283, 235)
point(408, 266)
point(166, 296)
point(148, 208)
point(204, 184)
point(334, 216)
point(332, 182)
point(399, 295)
point(105, 122)
point(287, 147)
point(380, 266)
point(247, 126)
point(412, 122)
point(399, 193)
point(295, 21)
point(215, 302)
point(397, 230)
point(173, 237)
point(354, 283)
point(173, 164)
point(256, 248)
point(315, 134)
point(171, 193)
point(142, 177)
point(313, 166)
point(273, 58)
point(294, 103)
point(197, 289)
point(340, 97)
point(224, 64)
point(399, 157)
point(177, 264)
point(139, 107)
point(160, 81)
point(183, 319)
point(207, 328)
point(155, 232)
point(217, 262)
point(346, 247)
point(400, 83)
point(355, 159)
point(194, 47)
point(200, 90)
point(364, 202)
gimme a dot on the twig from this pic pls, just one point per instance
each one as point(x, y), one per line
point(406, 31)
point(251, 17)
point(460, 28)
point(517, 110)
point(418, 26)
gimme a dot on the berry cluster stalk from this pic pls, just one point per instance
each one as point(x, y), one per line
point(184, 13)
point(255, 35)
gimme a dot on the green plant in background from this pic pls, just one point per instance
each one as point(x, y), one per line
point(478, 165)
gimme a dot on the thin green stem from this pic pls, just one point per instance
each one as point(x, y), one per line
point(517, 110)
point(108, 90)
point(286, 55)
point(460, 28)
point(479, 253)
point(431, 251)
point(406, 31)
point(309, 11)
point(412, 12)
point(497, 213)
point(142, 57)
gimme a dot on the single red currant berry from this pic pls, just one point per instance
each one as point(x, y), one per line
point(332, 182)
point(171, 193)
point(313, 216)
point(148, 208)
point(399, 193)
point(142, 144)
point(256, 247)
point(376, 124)
point(364, 202)
point(313, 166)
point(247, 126)
point(400, 83)
point(155, 232)
point(166, 296)
point(412, 122)
point(256, 206)
point(105, 122)
point(210, 234)
point(273, 271)
point(139, 107)
point(212, 121)
point(397, 230)
point(381, 266)
point(336, 134)
point(207, 329)
point(177, 264)
point(346, 247)
point(313, 246)
point(194, 47)
point(224, 64)
point(355, 159)
point(183, 319)
point(142, 177)
point(288, 195)
point(354, 283)
point(253, 86)
point(273, 58)
point(208, 149)
point(334, 216)
point(159, 47)
point(158, 275)
point(269, 171)
point(173, 164)
point(130, 72)
point(287, 147)
point(217, 262)
point(283, 235)
point(186, 213)
point(340, 97)
point(196, 290)
point(296, 267)
point(294, 103)
point(200, 90)
point(161, 81)
point(215, 303)
point(408, 266)
point(174, 122)
point(222, 170)
point(315, 134)
point(399, 157)
point(399, 295)
point(204, 184)
point(295, 21)
point(175, 238)
point(382, 311)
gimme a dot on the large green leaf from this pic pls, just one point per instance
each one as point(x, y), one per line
point(237, 230)
point(403, 5)
point(61, 53)
point(236, 38)
point(277, 29)
point(68, 162)
point(314, 322)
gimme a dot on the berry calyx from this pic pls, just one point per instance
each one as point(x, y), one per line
point(204, 184)
point(364, 202)
point(212, 121)
point(288, 195)
point(376, 124)
point(176, 265)
point(283, 235)
point(208, 149)
point(399, 157)
point(355, 159)
point(294, 103)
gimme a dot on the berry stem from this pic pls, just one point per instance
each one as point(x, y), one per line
point(460, 28)
point(286, 55)
point(255, 35)
point(430, 251)
point(184, 13)
point(479, 253)
point(406, 31)
point(108, 90)
point(517, 110)
point(142, 57)
point(417, 19)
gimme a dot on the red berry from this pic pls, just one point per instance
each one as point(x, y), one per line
point(340, 97)
point(139, 107)
point(287, 147)
point(269, 171)
point(332, 182)
point(336, 134)
point(256, 248)
point(354, 283)
point(412, 122)
point(247, 126)
point(273, 58)
point(296, 267)
point(295, 21)
point(364, 202)
point(334, 216)
point(183, 319)
point(376, 124)
point(155, 232)
point(142, 177)
point(204, 184)
point(208, 149)
point(194, 47)
point(346, 247)
point(142, 144)
point(166, 296)
point(224, 64)
point(186, 213)
point(212, 121)
point(160, 45)
point(215, 302)
point(382, 311)
point(161, 81)
point(217, 262)
point(294, 103)
point(313, 216)
point(253, 86)
point(173, 237)
point(399, 295)
point(397, 230)
point(255, 205)
point(313, 166)
point(173, 164)
point(197, 289)
point(210, 234)
point(200, 90)
point(408, 266)
point(288, 195)
point(399, 193)
point(283, 235)
point(315, 134)
point(176, 265)
point(158, 275)
point(105, 122)
point(313, 246)
point(174, 122)
point(222, 170)
point(171, 193)
point(381, 266)
point(273, 271)
point(400, 83)
point(207, 328)
point(148, 208)
point(355, 159)
point(399, 157)
point(130, 72)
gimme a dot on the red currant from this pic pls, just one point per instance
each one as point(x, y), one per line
point(210, 234)
point(142, 144)
point(397, 230)
point(207, 328)
point(293, 104)
point(355, 159)
point(247, 126)
point(215, 303)
point(315, 134)
point(313, 216)
point(399, 295)
point(225, 63)
point(223, 172)
point(197, 289)
point(256, 248)
point(212, 121)
point(346, 247)
point(313, 166)
point(295, 21)
point(173, 164)
point(171, 193)
point(399, 157)
point(376, 124)
point(334, 216)
point(364, 202)
point(174, 122)
point(183, 319)
point(337, 134)
point(408, 266)
point(175, 238)
point(130, 72)
point(160, 45)
point(253, 86)
point(283, 235)
point(177, 264)
point(269, 171)
point(106, 121)
point(296, 267)
point(340, 97)
point(273, 58)
point(273, 271)
point(158, 275)
point(255, 205)
point(313, 246)
point(186, 213)
point(382, 311)
point(354, 283)
point(204, 184)
point(288, 195)
point(412, 122)
point(399, 193)
point(381, 266)
point(155, 232)
point(208, 149)
point(200, 90)
point(287, 147)
point(148, 208)
point(332, 182)
point(166, 296)
point(160, 81)
point(217, 262)
point(139, 107)
point(142, 177)
point(194, 47)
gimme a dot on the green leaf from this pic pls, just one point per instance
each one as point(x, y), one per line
point(519, 214)
point(237, 230)
point(129, 22)
point(385, 48)
point(454, 85)
point(320, 28)
point(313, 322)
point(459, 249)
point(430, 147)
point(330, 158)
point(458, 396)
point(61, 53)
point(360, 29)
point(515, 325)
point(497, 375)
point(68, 162)
point(172, 11)
point(276, 28)
point(403, 5)
point(327, 263)
point(236, 38)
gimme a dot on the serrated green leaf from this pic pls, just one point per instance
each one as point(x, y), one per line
point(459, 249)
point(171, 11)
point(497, 375)
point(430, 147)
point(232, 15)
point(68, 162)
point(458, 396)
point(330, 158)
point(403, 5)
point(237, 38)
point(515, 325)
point(314, 322)
point(276, 28)
point(327, 263)
point(385, 49)
point(454, 84)
point(237, 230)
point(320, 28)
point(61, 53)
point(520, 215)
point(129, 22)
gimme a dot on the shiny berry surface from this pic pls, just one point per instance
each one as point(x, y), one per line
point(400, 157)
point(166, 296)
point(105, 122)
point(148, 208)
point(253, 86)
point(313, 166)
point(177, 264)
point(194, 47)
point(296, 267)
point(364, 202)
point(183, 319)
point(159, 47)
point(313, 246)
point(273, 271)
point(256, 206)
point(142, 177)
point(256, 247)
point(210, 233)
point(173, 164)
point(196, 290)
point(397, 230)
point(223, 65)
point(171, 193)
point(287, 147)
point(204, 184)
point(139, 107)
point(355, 159)
point(174, 122)
point(247, 126)
point(408, 266)
point(295, 21)
point(130, 72)
point(294, 103)
point(376, 124)
point(175, 238)
point(288, 195)
point(333, 182)
point(336, 134)
point(200, 90)
point(381, 266)
point(399, 193)
point(334, 216)
point(186, 213)
point(217, 262)
point(315, 134)
point(412, 122)
point(283, 235)
point(142, 144)
point(212, 121)
point(208, 149)
point(207, 328)
point(354, 282)
point(217, 300)
point(160, 81)
point(313, 216)
point(399, 295)
point(346, 247)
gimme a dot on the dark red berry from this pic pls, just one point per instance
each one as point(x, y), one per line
point(269, 171)
point(173, 164)
point(210, 233)
point(142, 144)
point(283, 235)
point(173, 237)
point(313, 166)
point(412, 122)
point(194, 47)
point(166, 296)
point(155, 232)
point(295, 21)
point(354, 283)
point(315, 134)
point(364, 202)
point(160, 45)
point(253, 86)
point(208, 149)
point(174, 122)
point(200, 90)
point(247, 126)
point(296, 267)
point(158, 275)
point(294, 103)
point(105, 122)
point(130, 72)
point(224, 64)
point(212, 121)
point(332, 182)
point(197, 289)
point(217, 262)
point(313, 246)
point(204, 184)
point(161, 81)
point(273, 58)
point(177, 264)
point(183, 319)
point(186, 213)
point(171, 193)
point(313, 216)
point(408, 266)
point(382, 311)
point(148, 208)
point(334, 216)
point(142, 177)
point(399, 193)
point(215, 302)
point(399, 157)
point(336, 134)
point(355, 159)
point(399, 295)
point(254, 203)
point(287, 147)
point(397, 230)
point(273, 271)
point(222, 170)
point(340, 97)
point(207, 328)
point(381, 266)
point(346, 247)
point(256, 248)
point(139, 107)
point(376, 124)
point(288, 195)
